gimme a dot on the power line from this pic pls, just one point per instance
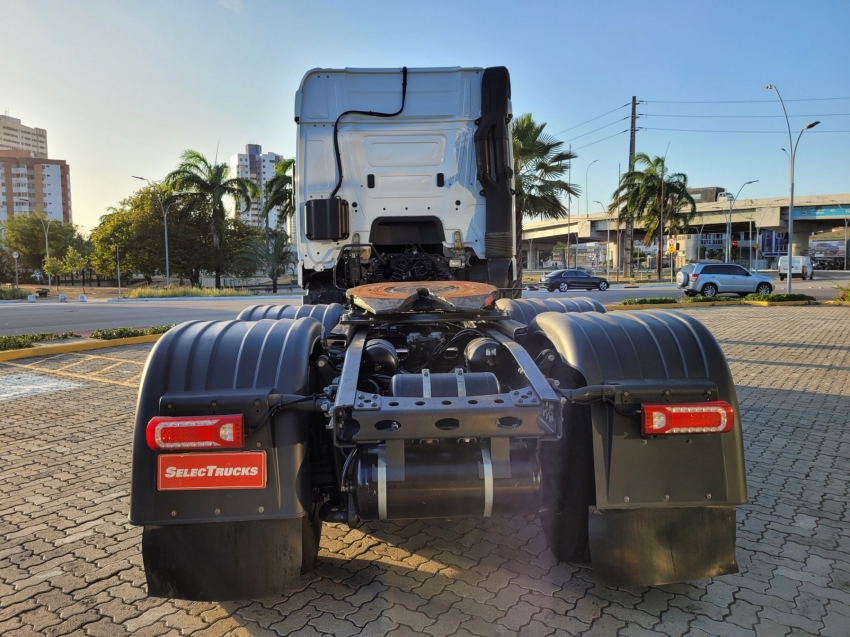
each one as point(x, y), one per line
point(737, 116)
point(598, 129)
point(602, 140)
point(811, 99)
point(754, 132)
point(592, 120)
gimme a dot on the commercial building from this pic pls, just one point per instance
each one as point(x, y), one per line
point(16, 136)
point(32, 183)
point(259, 167)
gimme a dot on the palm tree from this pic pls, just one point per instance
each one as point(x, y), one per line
point(207, 184)
point(655, 199)
point(270, 253)
point(539, 164)
point(278, 191)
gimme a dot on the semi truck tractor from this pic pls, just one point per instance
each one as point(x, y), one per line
point(413, 384)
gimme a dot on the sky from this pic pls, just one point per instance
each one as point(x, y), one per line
point(123, 88)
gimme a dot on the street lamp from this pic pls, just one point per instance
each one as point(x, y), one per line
point(46, 243)
point(793, 149)
point(608, 240)
point(729, 222)
point(165, 223)
point(587, 198)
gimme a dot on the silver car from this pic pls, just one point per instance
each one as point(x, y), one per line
point(711, 279)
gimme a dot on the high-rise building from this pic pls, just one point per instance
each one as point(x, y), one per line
point(257, 166)
point(16, 136)
point(32, 183)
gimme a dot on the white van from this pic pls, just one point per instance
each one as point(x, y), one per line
point(800, 266)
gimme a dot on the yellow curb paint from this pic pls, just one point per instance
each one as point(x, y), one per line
point(66, 348)
point(771, 303)
point(650, 306)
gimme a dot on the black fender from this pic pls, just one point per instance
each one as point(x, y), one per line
point(665, 506)
point(227, 544)
point(327, 314)
point(524, 310)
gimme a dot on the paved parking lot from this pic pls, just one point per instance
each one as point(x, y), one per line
point(70, 562)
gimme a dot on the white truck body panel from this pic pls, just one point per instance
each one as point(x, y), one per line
point(405, 153)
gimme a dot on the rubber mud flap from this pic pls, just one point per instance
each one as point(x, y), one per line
point(651, 546)
point(223, 561)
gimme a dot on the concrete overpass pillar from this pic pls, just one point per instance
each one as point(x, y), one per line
point(800, 243)
point(613, 255)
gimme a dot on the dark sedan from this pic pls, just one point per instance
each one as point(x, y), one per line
point(564, 280)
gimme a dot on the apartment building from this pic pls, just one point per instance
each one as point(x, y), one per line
point(32, 183)
point(259, 167)
point(16, 136)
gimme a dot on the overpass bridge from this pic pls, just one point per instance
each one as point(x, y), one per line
point(750, 217)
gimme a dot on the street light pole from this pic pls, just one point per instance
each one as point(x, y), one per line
point(729, 222)
point(46, 230)
point(587, 197)
point(165, 223)
point(793, 149)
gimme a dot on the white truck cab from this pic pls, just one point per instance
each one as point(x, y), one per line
point(800, 266)
point(403, 175)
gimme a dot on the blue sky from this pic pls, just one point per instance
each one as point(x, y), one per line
point(124, 87)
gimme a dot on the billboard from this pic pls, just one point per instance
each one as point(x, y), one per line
point(826, 248)
point(819, 212)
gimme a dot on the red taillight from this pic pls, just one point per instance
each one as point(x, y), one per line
point(694, 276)
point(196, 432)
point(692, 418)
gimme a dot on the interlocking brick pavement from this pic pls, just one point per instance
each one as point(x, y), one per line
point(70, 562)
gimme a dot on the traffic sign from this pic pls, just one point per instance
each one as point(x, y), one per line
point(15, 255)
point(671, 250)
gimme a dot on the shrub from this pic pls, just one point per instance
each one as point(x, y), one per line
point(843, 292)
point(779, 297)
point(129, 332)
point(653, 300)
point(12, 294)
point(22, 341)
point(177, 292)
point(699, 299)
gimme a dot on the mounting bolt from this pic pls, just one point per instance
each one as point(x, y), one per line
point(360, 396)
point(557, 383)
point(321, 363)
point(257, 403)
point(259, 444)
point(217, 511)
point(360, 404)
point(171, 405)
point(551, 357)
point(214, 403)
point(261, 509)
point(516, 393)
point(519, 400)
point(625, 394)
point(625, 498)
point(374, 395)
point(643, 442)
point(666, 497)
point(174, 513)
point(708, 496)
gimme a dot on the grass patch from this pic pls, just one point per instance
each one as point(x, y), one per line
point(129, 332)
point(23, 341)
point(651, 300)
point(701, 299)
point(178, 292)
point(12, 294)
point(779, 297)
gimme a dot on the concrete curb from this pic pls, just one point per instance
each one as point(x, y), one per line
point(208, 298)
point(661, 306)
point(79, 346)
point(845, 303)
point(13, 301)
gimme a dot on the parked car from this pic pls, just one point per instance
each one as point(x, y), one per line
point(800, 266)
point(564, 280)
point(711, 279)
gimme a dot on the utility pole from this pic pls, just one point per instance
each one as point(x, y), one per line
point(629, 230)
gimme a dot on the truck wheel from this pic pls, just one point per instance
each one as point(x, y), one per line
point(568, 480)
point(563, 287)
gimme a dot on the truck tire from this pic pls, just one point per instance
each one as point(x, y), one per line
point(215, 545)
point(632, 541)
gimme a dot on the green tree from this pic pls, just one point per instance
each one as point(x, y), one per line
point(25, 234)
point(269, 253)
point(206, 185)
point(655, 198)
point(562, 248)
point(55, 267)
point(539, 165)
point(75, 263)
point(278, 192)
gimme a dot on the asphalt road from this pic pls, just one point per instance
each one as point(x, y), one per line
point(50, 316)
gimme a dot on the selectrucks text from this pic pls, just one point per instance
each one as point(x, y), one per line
point(414, 382)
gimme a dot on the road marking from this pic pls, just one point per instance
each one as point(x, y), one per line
point(93, 375)
point(24, 385)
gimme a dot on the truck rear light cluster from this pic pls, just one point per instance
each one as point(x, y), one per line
point(196, 432)
point(695, 418)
